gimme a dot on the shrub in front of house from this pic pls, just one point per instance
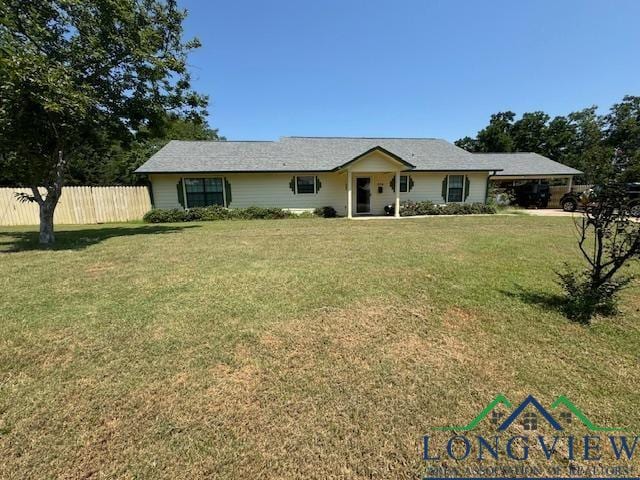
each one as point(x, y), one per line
point(159, 215)
point(410, 208)
point(467, 209)
point(214, 212)
point(325, 212)
point(252, 213)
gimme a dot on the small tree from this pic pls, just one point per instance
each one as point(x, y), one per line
point(80, 73)
point(608, 237)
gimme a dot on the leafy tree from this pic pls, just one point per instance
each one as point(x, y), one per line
point(622, 132)
point(560, 140)
point(76, 75)
point(582, 139)
point(107, 162)
point(496, 137)
point(124, 160)
point(468, 143)
point(608, 238)
point(529, 134)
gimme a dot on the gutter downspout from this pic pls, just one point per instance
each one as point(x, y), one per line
point(486, 188)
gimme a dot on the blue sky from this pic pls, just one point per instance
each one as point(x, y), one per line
point(406, 68)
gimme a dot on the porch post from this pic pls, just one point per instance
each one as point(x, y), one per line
point(349, 194)
point(397, 207)
point(570, 184)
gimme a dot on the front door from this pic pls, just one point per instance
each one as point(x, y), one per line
point(363, 194)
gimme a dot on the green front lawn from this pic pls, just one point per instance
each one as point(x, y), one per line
point(304, 348)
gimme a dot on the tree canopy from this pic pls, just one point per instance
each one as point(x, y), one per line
point(78, 77)
point(584, 139)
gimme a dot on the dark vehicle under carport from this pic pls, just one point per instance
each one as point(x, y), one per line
point(527, 177)
point(532, 194)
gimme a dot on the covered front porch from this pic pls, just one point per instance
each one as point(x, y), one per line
point(374, 179)
point(369, 192)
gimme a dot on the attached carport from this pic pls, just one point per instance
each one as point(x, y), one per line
point(519, 169)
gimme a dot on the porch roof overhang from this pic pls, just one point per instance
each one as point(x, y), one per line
point(392, 156)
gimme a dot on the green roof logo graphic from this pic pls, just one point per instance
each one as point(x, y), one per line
point(531, 401)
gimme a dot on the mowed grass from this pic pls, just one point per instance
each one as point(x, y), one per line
point(304, 348)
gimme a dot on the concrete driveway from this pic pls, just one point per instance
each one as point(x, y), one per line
point(551, 212)
point(557, 212)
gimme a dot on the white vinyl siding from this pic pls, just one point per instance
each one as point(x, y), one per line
point(426, 187)
point(274, 190)
point(261, 189)
point(165, 190)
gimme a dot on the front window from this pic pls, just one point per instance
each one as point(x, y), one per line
point(404, 183)
point(202, 192)
point(306, 184)
point(456, 188)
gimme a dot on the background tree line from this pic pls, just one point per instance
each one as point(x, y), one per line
point(113, 161)
point(584, 139)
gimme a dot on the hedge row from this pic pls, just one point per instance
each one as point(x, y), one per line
point(216, 212)
point(409, 208)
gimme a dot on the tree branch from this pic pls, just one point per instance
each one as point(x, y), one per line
point(36, 195)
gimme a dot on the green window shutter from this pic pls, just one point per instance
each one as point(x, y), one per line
point(292, 185)
point(444, 189)
point(392, 183)
point(318, 184)
point(180, 193)
point(410, 184)
point(466, 187)
point(486, 191)
point(227, 191)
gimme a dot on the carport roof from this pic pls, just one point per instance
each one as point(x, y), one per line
point(526, 165)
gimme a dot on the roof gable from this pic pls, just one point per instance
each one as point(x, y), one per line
point(386, 155)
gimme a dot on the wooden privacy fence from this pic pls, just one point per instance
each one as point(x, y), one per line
point(558, 191)
point(79, 205)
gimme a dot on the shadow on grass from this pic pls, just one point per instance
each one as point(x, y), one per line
point(12, 242)
point(549, 301)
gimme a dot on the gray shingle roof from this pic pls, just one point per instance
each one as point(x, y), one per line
point(306, 154)
point(314, 154)
point(526, 164)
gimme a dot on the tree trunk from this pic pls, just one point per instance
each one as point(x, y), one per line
point(48, 204)
point(46, 223)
